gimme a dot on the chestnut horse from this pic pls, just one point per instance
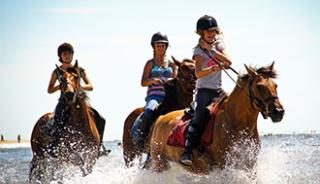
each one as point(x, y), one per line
point(235, 131)
point(179, 94)
point(79, 140)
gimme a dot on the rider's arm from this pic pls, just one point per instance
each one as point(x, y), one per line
point(219, 54)
point(201, 70)
point(52, 87)
point(88, 85)
point(145, 80)
point(223, 56)
point(174, 69)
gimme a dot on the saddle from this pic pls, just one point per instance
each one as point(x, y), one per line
point(177, 135)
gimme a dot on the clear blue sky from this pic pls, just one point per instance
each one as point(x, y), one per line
point(112, 42)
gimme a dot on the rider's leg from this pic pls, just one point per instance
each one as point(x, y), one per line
point(100, 123)
point(193, 134)
point(61, 115)
point(148, 117)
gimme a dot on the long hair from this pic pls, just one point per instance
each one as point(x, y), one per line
point(218, 31)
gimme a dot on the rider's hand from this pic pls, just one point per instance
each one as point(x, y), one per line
point(215, 68)
point(226, 65)
point(63, 83)
point(205, 45)
point(156, 81)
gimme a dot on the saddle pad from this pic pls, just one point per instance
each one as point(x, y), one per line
point(177, 135)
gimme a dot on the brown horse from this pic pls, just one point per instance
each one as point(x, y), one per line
point(235, 133)
point(79, 141)
point(179, 93)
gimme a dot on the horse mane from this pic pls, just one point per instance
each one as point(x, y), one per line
point(188, 61)
point(265, 71)
point(84, 97)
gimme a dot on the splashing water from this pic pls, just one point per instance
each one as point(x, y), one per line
point(283, 159)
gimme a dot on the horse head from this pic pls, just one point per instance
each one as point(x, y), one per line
point(263, 92)
point(70, 83)
point(186, 74)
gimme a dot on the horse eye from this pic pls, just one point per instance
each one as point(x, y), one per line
point(183, 67)
point(261, 87)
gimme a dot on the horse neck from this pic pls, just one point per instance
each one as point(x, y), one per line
point(80, 115)
point(239, 111)
point(183, 98)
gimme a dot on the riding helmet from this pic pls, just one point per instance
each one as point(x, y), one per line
point(206, 22)
point(159, 38)
point(65, 47)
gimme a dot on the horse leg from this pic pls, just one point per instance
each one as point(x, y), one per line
point(129, 150)
point(147, 162)
point(159, 162)
point(85, 167)
point(38, 170)
point(33, 174)
point(130, 155)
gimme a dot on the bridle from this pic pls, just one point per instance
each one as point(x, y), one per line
point(187, 81)
point(254, 100)
point(77, 92)
point(264, 109)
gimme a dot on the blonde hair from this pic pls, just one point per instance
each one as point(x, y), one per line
point(201, 34)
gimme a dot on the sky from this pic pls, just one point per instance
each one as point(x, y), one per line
point(111, 39)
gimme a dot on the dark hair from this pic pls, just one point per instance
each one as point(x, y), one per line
point(63, 48)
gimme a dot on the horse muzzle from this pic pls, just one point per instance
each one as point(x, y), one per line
point(276, 114)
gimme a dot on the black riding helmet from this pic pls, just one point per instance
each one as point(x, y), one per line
point(159, 38)
point(65, 47)
point(206, 22)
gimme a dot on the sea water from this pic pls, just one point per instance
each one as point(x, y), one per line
point(283, 159)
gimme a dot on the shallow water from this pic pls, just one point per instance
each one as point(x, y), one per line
point(284, 159)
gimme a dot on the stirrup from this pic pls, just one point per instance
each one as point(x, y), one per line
point(186, 161)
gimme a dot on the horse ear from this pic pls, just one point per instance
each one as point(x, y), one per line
point(251, 71)
point(271, 66)
point(60, 70)
point(76, 65)
point(178, 63)
point(77, 68)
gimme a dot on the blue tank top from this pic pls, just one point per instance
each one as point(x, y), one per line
point(159, 72)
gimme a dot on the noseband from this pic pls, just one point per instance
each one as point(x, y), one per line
point(76, 92)
point(185, 81)
point(254, 100)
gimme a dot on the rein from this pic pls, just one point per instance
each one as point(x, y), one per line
point(222, 67)
point(253, 99)
point(77, 91)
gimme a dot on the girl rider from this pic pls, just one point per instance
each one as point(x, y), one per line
point(156, 71)
point(208, 84)
point(65, 54)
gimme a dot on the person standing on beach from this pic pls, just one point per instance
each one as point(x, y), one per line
point(19, 138)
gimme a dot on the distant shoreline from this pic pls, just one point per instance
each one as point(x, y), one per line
point(14, 141)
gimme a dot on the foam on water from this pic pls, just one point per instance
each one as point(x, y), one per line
point(282, 160)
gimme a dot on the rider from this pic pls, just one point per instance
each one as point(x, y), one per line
point(156, 71)
point(208, 84)
point(61, 115)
